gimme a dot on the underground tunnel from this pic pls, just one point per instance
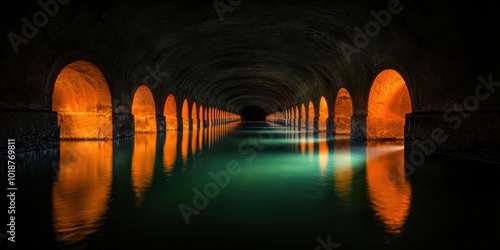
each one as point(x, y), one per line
point(253, 114)
point(242, 124)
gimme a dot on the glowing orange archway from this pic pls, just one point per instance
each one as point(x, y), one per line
point(323, 114)
point(170, 112)
point(185, 114)
point(143, 109)
point(194, 116)
point(310, 115)
point(82, 101)
point(343, 112)
point(303, 115)
point(388, 102)
point(201, 115)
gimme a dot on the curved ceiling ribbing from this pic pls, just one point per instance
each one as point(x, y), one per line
point(269, 54)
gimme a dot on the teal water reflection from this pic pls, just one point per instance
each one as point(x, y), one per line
point(239, 186)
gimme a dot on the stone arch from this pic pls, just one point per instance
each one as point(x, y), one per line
point(82, 100)
point(323, 114)
point(144, 110)
point(343, 112)
point(170, 113)
point(388, 103)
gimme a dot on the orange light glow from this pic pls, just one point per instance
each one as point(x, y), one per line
point(303, 115)
point(310, 115)
point(185, 114)
point(194, 140)
point(170, 112)
point(343, 112)
point(323, 154)
point(323, 114)
point(310, 146)
point(143, 109)
point(81, 192)
point(201, 134)
point(388, 103)
point(342, 167)
point(143, 162)
point(201, 116)
point(82, 101)
point(194, 116)
point(388, 189)
point(185, 145)
point(169, 150)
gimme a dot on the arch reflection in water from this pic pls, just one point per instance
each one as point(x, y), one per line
point(143, 161)
point(342, 168)
point(185, 145)
point(81, 191)
point(170, 150)
point(322, 154)
point(388, 189)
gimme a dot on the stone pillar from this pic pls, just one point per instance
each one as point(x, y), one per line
point(161, 124)
point(475, 137)
point(358, 127)
point(330, 126)
point(316, 124)
point(32, 130)
point(123, 125)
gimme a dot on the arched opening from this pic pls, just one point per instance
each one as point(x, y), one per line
point(170, 112)
point(82, 101)
point(310, 115)
point(201, 116)
point(303, 116)
point(185, 114)
point(194, 116)
point(143, 109)
point(388, 103)
point(323, 114)
point(343, 112)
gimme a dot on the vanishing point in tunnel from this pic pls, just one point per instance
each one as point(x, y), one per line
point(424, 74)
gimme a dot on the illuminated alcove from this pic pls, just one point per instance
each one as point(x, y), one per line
point(201, 116)
point(143, 109)
point(194, 116)
point(82, 101)
point(343, 112)
point(170, 113)
point(185, 114)
point(323, 114)
point(388, 103)
point(310, 116)
point(303, 115)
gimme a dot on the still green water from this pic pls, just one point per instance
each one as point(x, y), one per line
point(251, 186)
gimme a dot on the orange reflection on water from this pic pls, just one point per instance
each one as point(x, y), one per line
point(81, 192)
point(303, 142)
point(169, 150)
point(323, 154)
point(388, 189)
point(194, 139)
point(310, 145)
point(342, 166)
point(143, 161)
point(185, 145)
